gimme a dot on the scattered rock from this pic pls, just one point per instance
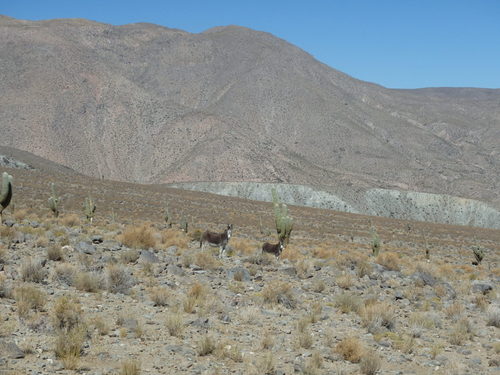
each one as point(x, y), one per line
point(481, 287)
point(148, 257)
point(10, 350)
point(85, 248)
point(238, 273)
point(9, 223)
point(96, 239)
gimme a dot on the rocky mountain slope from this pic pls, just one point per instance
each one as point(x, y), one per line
point(145, 103)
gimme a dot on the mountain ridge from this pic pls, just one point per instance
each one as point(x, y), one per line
point(145, 103)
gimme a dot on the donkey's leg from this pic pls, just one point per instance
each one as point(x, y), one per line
point(221, 251)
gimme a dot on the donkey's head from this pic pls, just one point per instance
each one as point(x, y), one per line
point(229, 230)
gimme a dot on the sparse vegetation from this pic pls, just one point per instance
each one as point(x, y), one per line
point(350, 349)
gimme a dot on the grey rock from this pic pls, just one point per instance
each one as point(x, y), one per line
point(425, 277)
point(481, 287)
point(289, 271)
point(85, 248)
point(9, 223)
point(172, 250)
point(175, 270)
point(111, 245)
point(96, 239)
point(130, 323)
point(201, 323)
point(10, 350)
point(19, 237)
point(241, 272)
point(148, 257)
point(34, 224)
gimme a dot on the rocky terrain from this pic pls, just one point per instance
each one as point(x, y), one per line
point(128, 295)
point(409, 205)
point(148, 104)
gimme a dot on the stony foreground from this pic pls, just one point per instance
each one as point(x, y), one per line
point(114, 299)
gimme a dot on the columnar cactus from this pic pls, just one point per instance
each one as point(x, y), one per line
point(54, 201)
point(478, 254)
point(375, 244)
point(284, 223)
point(167, 217)
point(89, 208)
point(5, 193)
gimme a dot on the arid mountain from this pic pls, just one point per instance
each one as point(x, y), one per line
point(144, 103)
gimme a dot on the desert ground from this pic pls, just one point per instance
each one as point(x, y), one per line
point(130, 294)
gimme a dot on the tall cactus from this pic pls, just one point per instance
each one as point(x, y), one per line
point(284, 223)
point(54, 201)
point(478, 255)
point(89, 208)
point(375, 242)
point(167, 217)
point(5, 193)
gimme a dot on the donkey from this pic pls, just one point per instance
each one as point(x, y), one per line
point(275, 249)
point(217, 239)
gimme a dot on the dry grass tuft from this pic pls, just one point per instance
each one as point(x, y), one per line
point(160, 296)
point(129, 256)
point(197, 290)
point(206, 261)
point(65, 273)
point(174, 237)
point(70, 220)
point(29, 298)
point(279, 292)
point(267, 341)
point(66, 313)
point(348, 302)
point(461, 332)
point(345, 281)
point(389, 260)
point(378, 316)
point(175, 324)
point(130, 367)
point(205, 346)
point(370, 363)
point(90, 282)
point(454, 311)
point(32, 271)
point(118, 279)
point(244, 246)
point(493, 317)
point(291, 253)
point(350, 349)
point(54, 253)
point(69, 346)
point(138, 237)
point(266, 364)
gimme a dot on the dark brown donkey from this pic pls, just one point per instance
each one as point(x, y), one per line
point(216, 239)
point(275, 249)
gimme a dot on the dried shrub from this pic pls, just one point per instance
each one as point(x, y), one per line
point(377, 317)
point(69, 346)
point(205, 346)
point(389, 260)
point(348, 302)
point(118, 279)
point(3, 254)
point(66, 313)
point(100, 326)
point(90, 282)
point(364, 268)
point(229, 350)
point(20, 215)
point(138, 237)
point(303, 268)
point(454, 311)
point(370, 363)
point(175, 324)
point(461, 332)
point(65, 273)
point(29, 298)
point(32, 271)
point(304, 337)
point(159, 296)
point(174, 237)
point(130, 367)
point(70, 220)
point(244, 246)
point(54, 253)
point(345, 281)
point(291, 253)
point(206, 261)
point(129, 256)
point(324, 252)
point(493, 317)
point(350, 349)
point(266, 364)
point(318, 286)
point(279, 292)
point(267, 342)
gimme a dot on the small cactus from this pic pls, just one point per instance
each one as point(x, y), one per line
point(5, 193)
point(283, 222)
point(167, 217)
point(184, 225)
point(375, 244)
point(478, 254)
point(89, 208)
point(54, 201)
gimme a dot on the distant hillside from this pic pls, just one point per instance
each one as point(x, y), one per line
point(144, 103)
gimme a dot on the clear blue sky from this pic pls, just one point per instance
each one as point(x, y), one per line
point(396, 43)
